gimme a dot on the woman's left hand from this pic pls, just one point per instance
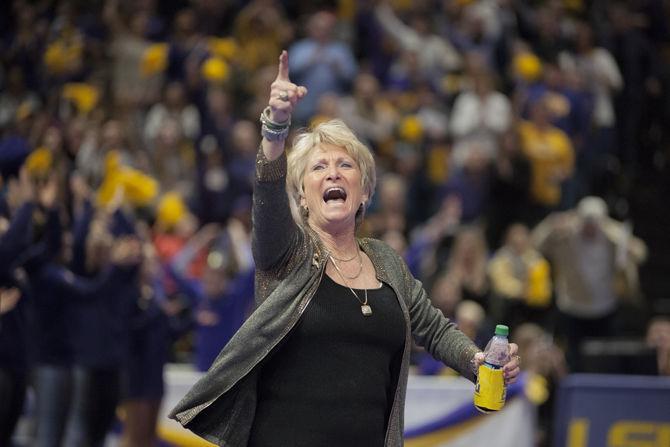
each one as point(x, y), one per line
point(511, 369)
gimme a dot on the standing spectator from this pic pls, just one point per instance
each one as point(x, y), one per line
point(223, 297)
point(173, 159)
point(14, 95)
point(128, 44)
point(367, 112)
point(103, 248)
point(510, 188)
point(320, 63)
point(216, 187)
point(569, 109)
point(471, 183)
point(95, 147)
point(244, 144)
point(520, 280)
point(588, 252)
point(436, 56)
point(479, 114)
point(634, 54)
point(187, 49)
point(262, 31)
point(544, 27)
point(16, 234)
point(389, 214)
point(217, 117)
point(551, 158)
point(54, 353)
point(150, 339)
point(174, 106)
point(14, 368)
point(602, 78)
point(467, 264)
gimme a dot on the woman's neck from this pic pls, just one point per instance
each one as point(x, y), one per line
point(340, 244)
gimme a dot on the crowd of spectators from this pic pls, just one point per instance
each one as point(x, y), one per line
point(503, 132)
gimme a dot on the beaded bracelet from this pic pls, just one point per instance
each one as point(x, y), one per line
point(267, 121)
point(272, 130)
point(274, 134)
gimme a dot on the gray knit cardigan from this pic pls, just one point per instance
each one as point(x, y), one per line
point(290, 262)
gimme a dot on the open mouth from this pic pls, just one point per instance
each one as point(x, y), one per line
point(337, 194)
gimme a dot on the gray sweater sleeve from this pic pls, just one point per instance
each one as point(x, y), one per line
point(275, 235)
point(439, 335)
point(430, 328)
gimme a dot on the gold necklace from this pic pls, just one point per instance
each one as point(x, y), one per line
point(366, 310)
point(360, 267)
point(349, 259)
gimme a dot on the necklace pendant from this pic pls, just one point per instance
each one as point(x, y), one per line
point(366, 310)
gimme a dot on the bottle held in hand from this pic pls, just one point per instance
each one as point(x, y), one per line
point(490, 390)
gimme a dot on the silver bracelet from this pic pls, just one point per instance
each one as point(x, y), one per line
point(274, 134)
point(267, 121)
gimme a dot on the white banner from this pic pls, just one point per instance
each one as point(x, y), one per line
point(438, 413)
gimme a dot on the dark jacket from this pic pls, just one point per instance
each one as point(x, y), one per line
point(290, 263)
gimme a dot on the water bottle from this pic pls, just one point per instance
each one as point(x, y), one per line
point(490, 389)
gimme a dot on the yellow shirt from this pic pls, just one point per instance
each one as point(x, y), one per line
point(552, 160)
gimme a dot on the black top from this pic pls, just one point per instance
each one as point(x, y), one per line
point(331, 382)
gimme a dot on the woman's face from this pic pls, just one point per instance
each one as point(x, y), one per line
point(332, 189)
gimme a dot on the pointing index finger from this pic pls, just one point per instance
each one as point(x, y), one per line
point(282, 74)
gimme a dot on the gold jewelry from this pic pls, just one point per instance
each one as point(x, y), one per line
point(366, 310)
point(358, 253)
point(360, 267)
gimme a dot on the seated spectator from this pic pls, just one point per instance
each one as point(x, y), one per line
point(658, 336)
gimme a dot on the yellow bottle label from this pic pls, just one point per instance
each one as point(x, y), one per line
point(490, 389)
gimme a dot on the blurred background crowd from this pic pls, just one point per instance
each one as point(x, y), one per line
point(522, 151)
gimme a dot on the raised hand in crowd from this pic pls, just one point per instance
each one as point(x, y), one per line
point(9, 298)
point(127, 251)
point(47, 192)
point(284, 96)
point(20, 190)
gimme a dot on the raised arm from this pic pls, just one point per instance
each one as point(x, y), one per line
point(284, 95)
point(273, 228)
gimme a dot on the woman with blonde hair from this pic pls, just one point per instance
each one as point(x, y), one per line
point(324, 359)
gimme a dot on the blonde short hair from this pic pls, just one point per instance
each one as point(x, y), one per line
point(336, 133)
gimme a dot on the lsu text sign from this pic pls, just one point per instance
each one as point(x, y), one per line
point(596, 410)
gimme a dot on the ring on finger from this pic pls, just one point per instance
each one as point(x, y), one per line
point(283, 95)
